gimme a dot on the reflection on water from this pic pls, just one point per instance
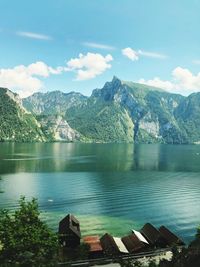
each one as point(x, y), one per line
point(111, 187)
point(97, 157)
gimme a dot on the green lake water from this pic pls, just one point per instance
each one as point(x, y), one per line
point(109, 187)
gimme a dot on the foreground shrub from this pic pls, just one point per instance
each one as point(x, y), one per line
point(24, 239)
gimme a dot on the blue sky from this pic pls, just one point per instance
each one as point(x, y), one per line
point(80, 44)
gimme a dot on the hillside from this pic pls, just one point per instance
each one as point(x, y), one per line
point(127, 112)
point(16, 124)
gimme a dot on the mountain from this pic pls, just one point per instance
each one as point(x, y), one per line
point(50, 109)
point(188, 117)
point(16, 124)
point(126, 112)
point(53, 103)
point(119, 112)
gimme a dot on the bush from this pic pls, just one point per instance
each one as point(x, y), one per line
point(25, 239)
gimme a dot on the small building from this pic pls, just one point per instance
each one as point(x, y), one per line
point(120, 245)
point(133, 244)
point(95, 248)
point(153, 236)
point(170, 237)
point(113, 245)
point(140, 237)
point(69, 231)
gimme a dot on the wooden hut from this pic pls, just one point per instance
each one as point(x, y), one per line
point(132, 243)
point(135, 242)
point(69, 231)
point(153, 236)
point(113, 245)
point(170, 237)
point(95, 248)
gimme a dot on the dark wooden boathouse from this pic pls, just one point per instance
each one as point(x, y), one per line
point(69, 231)
point(113, 246)
point(133, 244)
point(170, 237)
point(153, 236)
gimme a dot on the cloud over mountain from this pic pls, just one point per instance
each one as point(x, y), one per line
point(89, 66)
point(183, 81)
point(25, 80)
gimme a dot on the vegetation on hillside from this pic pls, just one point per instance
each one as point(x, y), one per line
point(15, 123)
point(101, 122)
point(119, 112)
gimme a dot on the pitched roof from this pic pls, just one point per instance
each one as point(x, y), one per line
point(170, 237)
point(108, 244)
point(132, 243)
point(69, 222)
point(120, 245)
point(150, 233)
point(140, 236)
point(112, 245)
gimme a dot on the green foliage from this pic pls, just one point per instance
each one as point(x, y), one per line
point(101, 122)
point(187, 257)
point(188, 117)
point(129, 263)
point(79, 253)
point(119, 112)
point(25, 239)
point(15, 123)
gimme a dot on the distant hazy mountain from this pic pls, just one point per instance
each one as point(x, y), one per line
point(119, 112)
point(53, 103)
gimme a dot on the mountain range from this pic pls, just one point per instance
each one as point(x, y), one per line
point(119, 112)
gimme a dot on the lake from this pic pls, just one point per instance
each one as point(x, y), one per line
point(109, 187)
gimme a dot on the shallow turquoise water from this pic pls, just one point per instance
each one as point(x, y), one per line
point(109, 187)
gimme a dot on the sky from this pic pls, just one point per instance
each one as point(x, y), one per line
point(78, 45)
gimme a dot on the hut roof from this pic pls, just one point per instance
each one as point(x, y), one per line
point(120, 245)
point(108, 244)
point(170, 237)
point(112, 245)
point(132, 243)
point(69, 222)
point(93, 242)
point(140, 236)
point(150, 233)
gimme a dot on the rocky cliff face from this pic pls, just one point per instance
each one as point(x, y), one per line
point(56, 128)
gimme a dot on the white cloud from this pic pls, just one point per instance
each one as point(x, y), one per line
point(24, 79)
point(130, 53)
point(99, 46)
point(135, 55)
point(157, 82)
point(89, 66)
point(151, 54)
point(183, 81)
point(34, 35)
point(196, 61)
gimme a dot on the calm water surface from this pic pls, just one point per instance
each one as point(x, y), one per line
point(109, 187)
